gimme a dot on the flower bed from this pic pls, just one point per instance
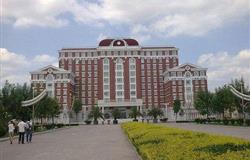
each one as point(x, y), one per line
point(155, 142)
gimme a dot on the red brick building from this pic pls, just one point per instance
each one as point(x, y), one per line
point(183, 83)
point(119, 73)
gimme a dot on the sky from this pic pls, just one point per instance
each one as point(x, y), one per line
point(213, 34)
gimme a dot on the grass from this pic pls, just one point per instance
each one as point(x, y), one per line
point(155, 142)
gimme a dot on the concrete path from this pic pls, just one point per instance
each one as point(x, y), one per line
point(235, 131)
point(87, 142)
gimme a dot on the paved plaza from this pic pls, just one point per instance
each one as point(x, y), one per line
point(86, 142)
point(235, 131)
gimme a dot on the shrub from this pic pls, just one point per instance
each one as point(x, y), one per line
point(60, 125)
point(248, 122)
point(87, 121)
point(164, 120)
point(50, 126)
point(155, 142)
point(240, 121)
point(218, 121)
point(197, 120)
point(232, 121)
point(225, 121)
point(3, 130)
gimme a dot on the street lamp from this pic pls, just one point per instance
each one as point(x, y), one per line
point(33, 109)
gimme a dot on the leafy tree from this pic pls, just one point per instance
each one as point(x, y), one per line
point(47, 107)
point(54, 108)
point(134, 113)
point(116, 114)
point(177, 107)
point(240, 85)
point(223, 101)
point(95, 113)
point(77, 106)
point(203, 103)
point(155, 112)
point(12, 96)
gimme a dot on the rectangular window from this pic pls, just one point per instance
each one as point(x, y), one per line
point(132, 73)
point(132, 80)
point(119, 80)
point(132, 86)
point(119, 87)
point(106, 87)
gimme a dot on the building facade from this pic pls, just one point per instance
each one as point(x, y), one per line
point(59, 84)
point(119, 73)
point(183, 83)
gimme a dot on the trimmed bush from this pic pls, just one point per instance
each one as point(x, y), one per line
point(156, 142)
point(232, 121)
point(239, 121)
point(87, 121)
point(3, 130)
point(225, 121)
point(197, 120)
point(248, 122)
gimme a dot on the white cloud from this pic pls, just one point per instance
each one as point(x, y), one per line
point(159, 17)
point(224, 67)
point(44, 58)
point(101, 37)
point(43, 13)
point(16, 67)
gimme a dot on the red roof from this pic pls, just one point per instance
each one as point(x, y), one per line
point(107, 42)
point(131, 42)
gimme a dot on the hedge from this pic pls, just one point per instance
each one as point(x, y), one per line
point(155, 142)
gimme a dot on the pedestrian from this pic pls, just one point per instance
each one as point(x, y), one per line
point(11, 131)
point(21, 130)
point(28, 129)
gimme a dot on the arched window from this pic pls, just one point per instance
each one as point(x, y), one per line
point(106, 61)
point(188, 74)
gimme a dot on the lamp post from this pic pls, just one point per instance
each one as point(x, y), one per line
point(242, 102)
point(33, 109)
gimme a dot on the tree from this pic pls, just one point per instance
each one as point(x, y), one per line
point(203, 103)
point(77, 106)
point(95, 114)
point(223, 100)
point(155, 112)
point(242, 106)
point(177, 107)
point(54, 108)
point(116, 114)
point(134, 113)
point(47, 107)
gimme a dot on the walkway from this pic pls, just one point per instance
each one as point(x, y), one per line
point(235, 131)
point(87, 142)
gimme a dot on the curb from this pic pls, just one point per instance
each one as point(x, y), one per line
point(37, 133)
point(131, 144)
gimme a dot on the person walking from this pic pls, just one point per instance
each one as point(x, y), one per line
point(28, 131)
point(21, 130)
point(11, 131)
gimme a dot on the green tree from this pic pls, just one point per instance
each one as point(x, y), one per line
point(77, 106)
point(95, 113)
point(177, 107)
point(134, 113)
point(155, 112)
point(12, 96)
point(54, 108)
point(203, 103)
point(44, 108)
point(116, 114)
point(223, 101)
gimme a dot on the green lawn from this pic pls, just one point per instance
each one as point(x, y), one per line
point(155, 142)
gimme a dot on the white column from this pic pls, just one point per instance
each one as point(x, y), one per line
point(102, 109)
